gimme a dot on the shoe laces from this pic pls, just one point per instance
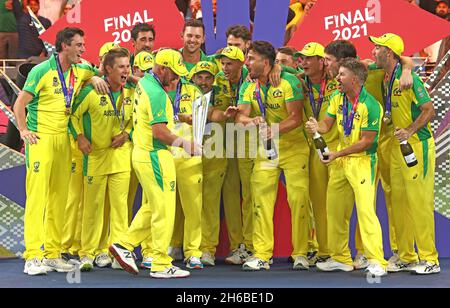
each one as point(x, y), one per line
point(103, 257)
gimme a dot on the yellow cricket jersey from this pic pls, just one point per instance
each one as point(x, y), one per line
point(406, 106)
point(189, 92)
point(100, 123)
point(47, 109)
point(275, 100)
point(152, 105)
point(228, 94)
point(375, 77)
point(367, 118)
point(203, 57)
point(331, 87)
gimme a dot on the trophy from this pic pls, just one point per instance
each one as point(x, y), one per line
point(199, 116)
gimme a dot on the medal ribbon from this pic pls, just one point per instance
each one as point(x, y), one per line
point(262, 106)
point(347, 120)
point(68, 93)
point(114, 104)
point(316, 106)
point(387, 97)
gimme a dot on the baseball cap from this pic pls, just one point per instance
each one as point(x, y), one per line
point(144, 61)
point(172, 59)
point(231, 52)
point(391, 41)
point(204, 66)
point(311, 49)
point(106, 48)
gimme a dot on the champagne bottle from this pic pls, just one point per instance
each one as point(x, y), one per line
point(408, 154)
point(271, 151)
point(321, 146)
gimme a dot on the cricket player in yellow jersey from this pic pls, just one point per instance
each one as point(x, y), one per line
point(410, 112)
point(71, 240)
point(155, 168)
point(104, 141)
point(48, 95)
point(335, 52)
point(189, 170)
point(353, 178)
point(319, 89)
point(281, 107)
point(237, 172)
point(193, 37)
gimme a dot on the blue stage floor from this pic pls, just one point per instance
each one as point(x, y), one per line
point(222, 276)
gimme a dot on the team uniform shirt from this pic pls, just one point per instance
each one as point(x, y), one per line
point(189, 93)
point(228, 94)
point(101, 122)
point(367, 117)
point(331, 137)
point(47, 109)
point(406, 106)
point(152, 106)
point(203, 57)
point(275, 100)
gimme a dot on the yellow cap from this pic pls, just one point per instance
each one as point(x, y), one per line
point(204, 66)
point(232, 52)
point(312, 49)
point(172, 59)
point(106, 48)
point(391, 41)
point(144, 61)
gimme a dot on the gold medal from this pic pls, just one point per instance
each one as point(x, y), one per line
point(387, 119)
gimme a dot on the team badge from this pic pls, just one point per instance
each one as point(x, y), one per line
point(172, 186)
point(103, 101)
point(277, 94)
point(36, 166)
point(55, 82)
point(90, 180)
point(74, 167)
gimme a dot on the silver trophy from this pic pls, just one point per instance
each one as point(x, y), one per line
point(199, 116)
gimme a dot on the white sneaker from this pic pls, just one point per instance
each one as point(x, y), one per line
point(425, 268)
point(194, 263)
point(301, 263)
point(146, 262)
point(360, 262)
point(172, 272)
point(125, 258)
point(58, 265)
point(208, 259)
point(34, 267)
point(103, 260)
point(333, 266)
point(255, 264)
point(394, 259)
point(376, 270)
point(176, 253)
point(115, 265)
point(400, 266)
point(87, 264)
point(238, 256)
